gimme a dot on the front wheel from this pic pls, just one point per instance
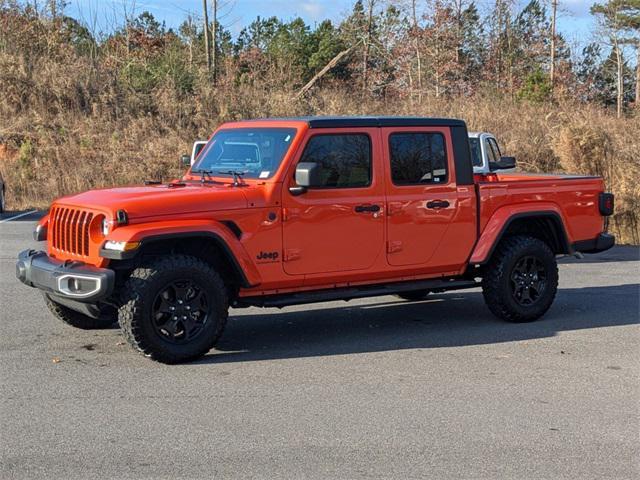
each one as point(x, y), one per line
point(174, 309)
point(521, 280)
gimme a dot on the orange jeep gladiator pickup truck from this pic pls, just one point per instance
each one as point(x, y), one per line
point(280, 212)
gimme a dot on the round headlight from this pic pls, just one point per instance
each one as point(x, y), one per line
point(105, 227)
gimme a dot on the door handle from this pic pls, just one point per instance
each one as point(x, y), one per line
point(367, 208)
point(437, 204)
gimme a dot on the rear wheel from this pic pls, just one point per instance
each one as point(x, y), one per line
point(2, 203)
point(521, 280)
point(174, 309)
point(79, 320)
point(413, 295)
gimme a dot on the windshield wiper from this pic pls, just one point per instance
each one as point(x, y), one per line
point(204, 174)
point(237, 176)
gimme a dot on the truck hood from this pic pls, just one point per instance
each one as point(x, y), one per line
point(151, 200)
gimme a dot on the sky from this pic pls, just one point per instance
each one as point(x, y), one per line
point(574, 21)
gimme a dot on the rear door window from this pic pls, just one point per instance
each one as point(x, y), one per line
point(417, 158)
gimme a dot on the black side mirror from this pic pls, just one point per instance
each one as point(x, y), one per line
point(307, 176)
point(185, 160)
point(504, 163)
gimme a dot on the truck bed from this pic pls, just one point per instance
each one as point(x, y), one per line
point(573, 197)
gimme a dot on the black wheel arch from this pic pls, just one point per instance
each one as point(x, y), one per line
point(205, 245)
point(545, 225)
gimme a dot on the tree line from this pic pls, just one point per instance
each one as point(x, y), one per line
point(88, 102)
point(382, 48)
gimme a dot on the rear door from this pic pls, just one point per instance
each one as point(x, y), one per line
point(430, 220)
point(339, 226)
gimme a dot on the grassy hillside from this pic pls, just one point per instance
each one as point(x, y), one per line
point(71, 121)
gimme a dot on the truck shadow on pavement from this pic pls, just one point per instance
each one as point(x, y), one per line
point(443, 320)
point(619, 253)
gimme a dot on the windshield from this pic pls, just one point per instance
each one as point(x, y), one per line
point(476, 154)
point(252, 152)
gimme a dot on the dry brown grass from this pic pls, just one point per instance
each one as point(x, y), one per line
point(593, 144)
point(66, 126)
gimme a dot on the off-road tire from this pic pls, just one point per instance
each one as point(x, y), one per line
point(497, 286)
point(77, 319)
point(143, 286)
point(413, 295)
point(2, 200)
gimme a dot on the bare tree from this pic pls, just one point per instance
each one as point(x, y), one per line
point(416, 42)
point(189, 30)
point(207, 40)
point(552, 67)
point(215, 39)
point(635, 42)
point(89, 19)
point(502, 44)
point(618, 18)
point(367, 45)
point(332, 63)
point(53, 10)
point(129, 11)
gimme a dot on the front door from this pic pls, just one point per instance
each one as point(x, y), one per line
point(422, 198)
point(338, 226)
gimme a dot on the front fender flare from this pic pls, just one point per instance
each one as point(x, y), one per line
point(146, 233)
point(503, 217)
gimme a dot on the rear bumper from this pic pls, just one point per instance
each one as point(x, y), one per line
point(71, 280)
point(602, 242)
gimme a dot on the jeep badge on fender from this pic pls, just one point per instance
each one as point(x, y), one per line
point(270, 256)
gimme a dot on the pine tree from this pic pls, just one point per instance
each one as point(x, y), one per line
point(621, 22)
point(531, 40)
point(472, 48)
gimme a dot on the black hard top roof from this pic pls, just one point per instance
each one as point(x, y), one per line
point(385, 121)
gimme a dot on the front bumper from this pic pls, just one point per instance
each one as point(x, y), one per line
point(72, 280)
point(602, 242)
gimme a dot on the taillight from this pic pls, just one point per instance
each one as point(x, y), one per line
point(605, 203)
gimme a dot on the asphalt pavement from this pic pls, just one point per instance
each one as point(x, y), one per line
point(373, 388)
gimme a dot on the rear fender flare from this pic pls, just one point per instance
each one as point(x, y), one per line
point(216, 231)
point(499, 223)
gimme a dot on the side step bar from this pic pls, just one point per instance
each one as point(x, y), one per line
point(349, 293)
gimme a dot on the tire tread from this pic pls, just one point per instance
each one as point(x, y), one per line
point(77, 319)
point(492, 291)
point(133, 294)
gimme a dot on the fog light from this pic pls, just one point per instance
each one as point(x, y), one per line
point(78, 285)
point(74, 285)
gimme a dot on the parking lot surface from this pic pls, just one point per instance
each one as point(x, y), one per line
point(373, 388)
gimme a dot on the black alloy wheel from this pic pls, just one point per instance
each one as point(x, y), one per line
point(173, 308)
point(180, 311)
point(528, 280)
point(521, 280)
